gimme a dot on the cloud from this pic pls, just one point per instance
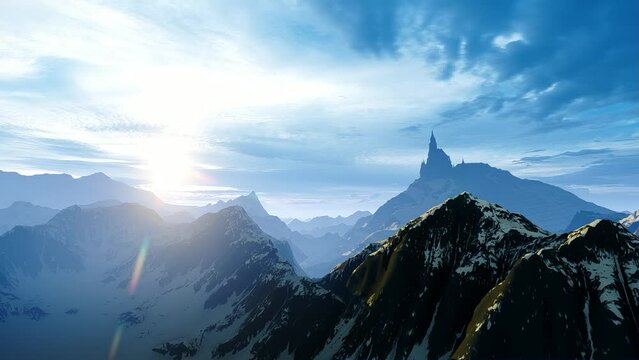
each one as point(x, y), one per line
point(583, 152)
point(545, 61)
point(305, 97)
point(611, 182)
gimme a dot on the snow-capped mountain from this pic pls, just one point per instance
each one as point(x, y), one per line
point(632, 222)
point(417, 294)
point(66, 285)
point(24, 213)
point(546, 205)
point(456, 282)
point(582, 218)
point(577, 299)
point(418, 290)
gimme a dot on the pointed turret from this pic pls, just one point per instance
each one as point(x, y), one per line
point(432, 145)
point(437, 163)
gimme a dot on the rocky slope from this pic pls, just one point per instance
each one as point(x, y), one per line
point(419, 289)
point(575, 300)
point(420, 294)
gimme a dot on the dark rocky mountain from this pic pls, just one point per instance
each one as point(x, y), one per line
point(586, 217)
point(418, 294)
point(575, 300)
point(469, 279)
point(24, 213)
point(417, 291)
point(546, 205)
point(632, 222)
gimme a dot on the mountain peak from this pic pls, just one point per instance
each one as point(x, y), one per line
point(96, 176)
point(600, 234)
point(496, 218)
point(250, 202)
point(437, 162)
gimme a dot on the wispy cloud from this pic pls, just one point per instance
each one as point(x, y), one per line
point(583, 152)
point(314, 94)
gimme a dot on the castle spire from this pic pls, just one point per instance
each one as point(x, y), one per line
point(437, 163)
point(433, 142)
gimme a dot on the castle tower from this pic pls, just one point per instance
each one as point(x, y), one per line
point(432, 145)
point(437, 163)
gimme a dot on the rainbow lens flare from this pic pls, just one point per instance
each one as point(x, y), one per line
point(116, 342)
point(139, 264)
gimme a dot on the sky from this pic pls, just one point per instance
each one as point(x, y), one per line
point(321, 107)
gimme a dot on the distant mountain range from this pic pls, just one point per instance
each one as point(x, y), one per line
point(322, 225)
point(313, 248)
point(321, 243)
point(549, 206)
point(465, 280)
point(59, 191)
point(99, 190)
point(24, 213)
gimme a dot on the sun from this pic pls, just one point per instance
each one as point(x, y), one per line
point(168, 163)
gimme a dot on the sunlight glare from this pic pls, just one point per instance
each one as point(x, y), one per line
point(168, 164)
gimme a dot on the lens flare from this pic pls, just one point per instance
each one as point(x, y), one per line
point(139, 263)
point(116, 342)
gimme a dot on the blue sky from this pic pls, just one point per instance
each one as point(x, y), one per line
point(322, 107)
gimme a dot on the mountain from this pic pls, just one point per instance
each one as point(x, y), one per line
point(270, 224)
point(322, 252)
point(632, 222)
point(251, 203)
point(180, 217)
point(24, 213)
point(67, 290)
point(466, 279)
point(418, 290)
point(546, 205)
point(99, 190)
point(582, 218)
point(61, 190)
point(575, 300)
point(322, 225)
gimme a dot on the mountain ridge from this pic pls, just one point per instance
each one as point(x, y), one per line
point(217, 287)
point(546, 205)
point(24, 213)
